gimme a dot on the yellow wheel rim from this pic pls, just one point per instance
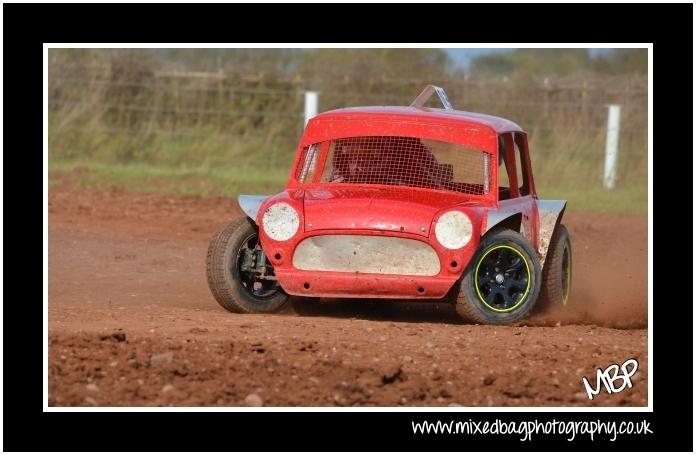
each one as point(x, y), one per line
point(499, 280)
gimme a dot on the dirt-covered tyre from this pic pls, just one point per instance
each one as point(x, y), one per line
point(239, 276)
point(557, 273)
point(502, 281)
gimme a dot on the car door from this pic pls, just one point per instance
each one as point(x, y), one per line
point(518, 196)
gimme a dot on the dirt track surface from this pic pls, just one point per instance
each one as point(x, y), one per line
point(132, 323)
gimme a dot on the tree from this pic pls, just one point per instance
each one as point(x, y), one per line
point(560, 62)
point(360, 65)
point(623, 61)
point(541, 62)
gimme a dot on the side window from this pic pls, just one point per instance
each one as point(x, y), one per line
point(522, 179)
point(505, 167)
point(308, 164)
point(503, 180)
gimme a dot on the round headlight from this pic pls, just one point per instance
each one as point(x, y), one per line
point(453, 230)
point(280, 221)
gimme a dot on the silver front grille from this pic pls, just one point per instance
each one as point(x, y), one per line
point(366, 254)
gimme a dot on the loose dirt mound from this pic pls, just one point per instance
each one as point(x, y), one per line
point(131, 322)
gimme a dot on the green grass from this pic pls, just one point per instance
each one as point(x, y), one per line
point(228, 181)
point(631, 199)
point(255, 179)
point(577, 177)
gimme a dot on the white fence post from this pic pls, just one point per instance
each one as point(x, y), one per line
point(612, 150)
point(311, 105)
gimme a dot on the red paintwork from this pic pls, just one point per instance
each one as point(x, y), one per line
point(394, 209)
point(338, 208)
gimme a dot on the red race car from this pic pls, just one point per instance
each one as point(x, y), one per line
point(400, 203)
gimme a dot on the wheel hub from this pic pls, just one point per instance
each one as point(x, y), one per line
point(256, 274)
point(502, 278)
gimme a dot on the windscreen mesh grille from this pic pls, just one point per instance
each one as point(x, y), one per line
point(409, 162)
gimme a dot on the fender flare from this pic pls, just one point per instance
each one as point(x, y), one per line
point(550, 214)
point(495, 217)
point(250, 204)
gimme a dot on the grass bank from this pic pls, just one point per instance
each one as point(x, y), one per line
point(232, 180)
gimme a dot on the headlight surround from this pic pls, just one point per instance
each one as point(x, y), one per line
point(280, 221)
point(453, 230)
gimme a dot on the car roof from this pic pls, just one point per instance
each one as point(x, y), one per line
point(426, 114)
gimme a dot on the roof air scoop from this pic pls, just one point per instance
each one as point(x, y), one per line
point(428, 92)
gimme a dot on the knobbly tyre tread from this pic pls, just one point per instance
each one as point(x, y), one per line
point(467, 302)
point(551, 294)
point(214, 269)
point(228, 291)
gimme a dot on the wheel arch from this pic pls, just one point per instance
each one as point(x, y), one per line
point(550, 215)
point(503, 219)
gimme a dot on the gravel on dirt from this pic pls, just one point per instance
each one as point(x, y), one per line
point(132, 323)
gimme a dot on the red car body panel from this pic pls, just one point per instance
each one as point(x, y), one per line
point(382, 209)
point(391, 211)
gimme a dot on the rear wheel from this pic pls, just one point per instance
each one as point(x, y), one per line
point(501, 283)
point(557, 274)
point(239, 276)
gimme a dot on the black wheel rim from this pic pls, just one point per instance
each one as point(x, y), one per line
point(565, 273)
point(502, 278)
point(256, 284)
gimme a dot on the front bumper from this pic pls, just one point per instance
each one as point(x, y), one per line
point(366, 264)
point(363, 285)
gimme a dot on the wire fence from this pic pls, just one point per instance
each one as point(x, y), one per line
point(194, 118)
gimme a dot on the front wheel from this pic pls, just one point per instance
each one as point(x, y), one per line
point(239, 276)
point(502, 282)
